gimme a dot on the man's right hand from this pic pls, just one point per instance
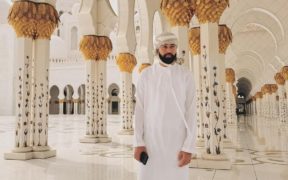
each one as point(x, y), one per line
point(138, 151)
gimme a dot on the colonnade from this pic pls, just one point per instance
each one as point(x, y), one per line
point(268, 112)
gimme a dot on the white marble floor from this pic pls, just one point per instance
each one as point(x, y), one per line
point(113, 161)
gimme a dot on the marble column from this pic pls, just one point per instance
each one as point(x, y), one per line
point(267, 115)
point(254, 116)
point(212, 92)
point(233, 102)
point(224, 38)
point(23, 99)
point(126, 63)
point(90, 108)
point(96, 50)
point(282, 109)
point(258, 97)
point(284, 73)
point(274, 126)
point(95, 45)
point(61, 104)
point(41, 65)
point(230, 79)
point(101, 101)
point(194, 42)
point(33, 31)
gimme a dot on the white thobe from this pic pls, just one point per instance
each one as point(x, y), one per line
point(160, 120)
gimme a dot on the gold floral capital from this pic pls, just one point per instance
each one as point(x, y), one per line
point(194, 40)
point(126, 62)
point(284, 72)
point(230, 75)
point(225, 38)
point(95, 47)
point(178, 12)
point(279, 79)
point(33, 20)
point(210, 11)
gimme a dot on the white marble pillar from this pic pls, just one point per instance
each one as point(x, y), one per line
point(61, 102)
point(260, 119)
point(82, 99)
point(257, 115)
point(90, 103)
point(126, 61)
point(233, 109)
point(23, 56)
point(40, 139)
point(229, 97)
point(69, 100)
point(286, 100)
point(126, 104)
point(254, 116)
point(210, 58)
point(282, 112)
point(197, 68)
point(222, 95)
point(75, 102)
point(101, 102)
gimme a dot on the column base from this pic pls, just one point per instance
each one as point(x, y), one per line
point(126, 132)
point(44, 154)
point(104, 139)
point(22, 150)
point(95, 139)
point(30, 155)
point(89, 139)
point(18, 156)
point(208, 161)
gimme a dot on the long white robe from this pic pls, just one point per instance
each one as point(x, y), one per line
point(159, 123)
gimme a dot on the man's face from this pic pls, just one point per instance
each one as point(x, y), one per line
point(167, 50)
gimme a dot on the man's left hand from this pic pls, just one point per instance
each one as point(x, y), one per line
point(184, 158)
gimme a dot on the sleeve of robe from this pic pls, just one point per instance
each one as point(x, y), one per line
point(139, 114)
point(190, 116)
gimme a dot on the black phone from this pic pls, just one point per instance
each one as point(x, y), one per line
point(144, 157)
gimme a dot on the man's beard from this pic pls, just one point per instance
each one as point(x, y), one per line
point(167, 58)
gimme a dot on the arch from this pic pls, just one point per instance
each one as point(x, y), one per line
point(246, 73)
point(267, 20)
point(267, 30)
point(113, 87)
point(68, 105)
point(74, 38)
point(251, 60)
point(244, 86)
point(113, 99)
point(54, 100)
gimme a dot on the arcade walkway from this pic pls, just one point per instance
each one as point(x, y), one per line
point(113, 161)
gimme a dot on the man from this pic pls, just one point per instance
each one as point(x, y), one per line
point(165, 115)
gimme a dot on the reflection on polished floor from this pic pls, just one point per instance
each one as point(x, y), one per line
point(113, 161)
